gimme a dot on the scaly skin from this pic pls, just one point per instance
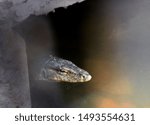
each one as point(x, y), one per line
point(58, 69)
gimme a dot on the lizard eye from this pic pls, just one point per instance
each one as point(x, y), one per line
point(63, 71)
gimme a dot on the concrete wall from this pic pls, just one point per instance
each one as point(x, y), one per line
point(14, 81)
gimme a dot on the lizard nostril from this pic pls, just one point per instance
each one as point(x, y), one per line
point(86, 77)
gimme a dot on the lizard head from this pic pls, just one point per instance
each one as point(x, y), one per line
point(58, 69)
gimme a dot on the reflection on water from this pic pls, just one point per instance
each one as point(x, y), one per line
point(109, 39)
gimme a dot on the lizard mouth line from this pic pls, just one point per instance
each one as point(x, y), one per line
point(52, 71)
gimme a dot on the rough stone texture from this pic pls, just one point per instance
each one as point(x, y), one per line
point(13, 11)
point(14, 81)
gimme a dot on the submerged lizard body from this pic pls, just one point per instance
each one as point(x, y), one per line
point(58, 69)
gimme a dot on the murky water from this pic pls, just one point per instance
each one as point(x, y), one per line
point(109, 39)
